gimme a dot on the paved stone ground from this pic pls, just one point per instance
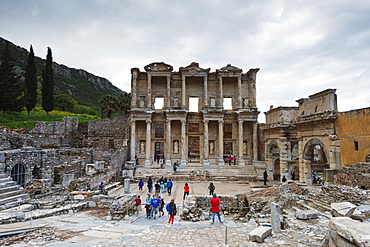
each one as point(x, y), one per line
point(83, 229)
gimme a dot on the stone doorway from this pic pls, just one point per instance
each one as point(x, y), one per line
point(159, 148)
point(194, 149)
point(276, 171)
point(316, 153)
point(18, 174)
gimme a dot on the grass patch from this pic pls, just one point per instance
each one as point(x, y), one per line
point(21, 120)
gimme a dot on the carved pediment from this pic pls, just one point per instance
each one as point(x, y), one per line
point(229, 68)
point(158, 67)
point(194, 68)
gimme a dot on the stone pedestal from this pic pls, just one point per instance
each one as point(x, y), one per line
point(127, 186)
point(259, 234)
point(221, 163)
point(275, 216)
point(241, 163)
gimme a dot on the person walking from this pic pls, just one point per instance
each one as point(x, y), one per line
point(161, 206)
point(186, 190)
point(215, 209)
point(163, 189)
point(265, 177)
point(154, 207)
point(141, 184)
point(234, 160)
point(157, 189)
point(172, 211)
point(150, 184)
point(211, 188)
point(148, 202)
point(138, 204)
point(229, 158)
point(284, 179)
point(169, 186)
point(174, 167)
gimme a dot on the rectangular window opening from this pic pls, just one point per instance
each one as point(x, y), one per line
point(159, 103)
point(193, 104)
point(228, 104)
point(355, 145)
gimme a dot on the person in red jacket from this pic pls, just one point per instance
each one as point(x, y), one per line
point(215, 202)
point(186, 190)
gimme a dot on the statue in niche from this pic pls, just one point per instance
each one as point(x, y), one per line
point(213, 102)
point(142, 147)
point(176, 102)
point(245, 148)
point(175, 147)
point(142, 101)
point(211, 147)
point(246, 102)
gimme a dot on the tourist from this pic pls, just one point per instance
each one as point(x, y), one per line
point(161, 180)
point(169, 186)
point(150, 184)
point(161, 206)
point(155, 156)
point(101, 187)
point(314, 176)
point(136, 160)
point(186, 190)
point(215, 202)
point(172, 211)
point(292, 175)
point(230, 159)
point(265, 177)
point(138, 204)
point(283, 179)
point(174, 167)
point(162, 189)
point(157, 189)
point(234, 160)
point(141, 184)
point(211, 188)
point(148, 202)
point(154, 207)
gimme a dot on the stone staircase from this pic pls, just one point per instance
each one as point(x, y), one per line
point(197, 171)
point(10, 192)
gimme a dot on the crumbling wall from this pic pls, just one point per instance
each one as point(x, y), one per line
point(67, 126)
point(357, 175)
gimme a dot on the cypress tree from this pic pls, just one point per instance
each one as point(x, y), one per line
point(11, 87)
point(48, 84)
point(31, 82)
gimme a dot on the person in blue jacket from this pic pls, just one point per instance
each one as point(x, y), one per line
point(169, 186)
point(141, 184)
point(154, 207)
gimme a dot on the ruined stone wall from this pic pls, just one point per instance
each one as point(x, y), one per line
point(357, 175)
point(324, 101)
point(282, 115)
point(112, 133)
point(353, 126)
point(65, 127)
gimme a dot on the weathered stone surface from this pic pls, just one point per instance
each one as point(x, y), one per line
point(340, 209)
point(259, 234)
point(346, 232)
point(306, 214)
point(78, 197)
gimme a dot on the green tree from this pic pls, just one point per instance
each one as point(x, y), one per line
point(48, 84)
point(124, 102)
point(108, 105)
point(64, 102)
point(31, 82)
point(11, 87)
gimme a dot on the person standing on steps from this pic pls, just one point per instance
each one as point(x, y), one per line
point(154, 207)
point(186, 190)
point(169, 186)
point(157, 189)
point(215, 203)
point(148, 202)
point(161, 206)
point(172, 211)
point(265, 177)
point(141, 184)
point(211, 188)
point(150, 184)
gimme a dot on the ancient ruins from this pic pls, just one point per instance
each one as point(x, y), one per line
point(207, 122)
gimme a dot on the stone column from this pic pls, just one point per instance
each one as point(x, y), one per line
point(240, 102)
point(220, 92)
point(184, 150)
point(168, 101)
point(149, 102)
point(205, 81)
point(221, 142)
point(206, 143)
point(133, 139)
point(183, 92)
point(275, 216)
point(133, 89)
point(169, 142)
point(127, 186)
point(284, 169)
point(148, 151)
point(253, 89)
point(255, 141)
point(240, 142)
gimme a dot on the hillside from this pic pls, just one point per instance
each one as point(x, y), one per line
point(83, 86)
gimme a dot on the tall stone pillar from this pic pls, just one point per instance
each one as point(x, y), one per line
point(220, 92)
point(183, 93)
point(184, 150)
point(206, 143)
point(205, 82)
point(169, 142)
point(240, 103)
point(240, 143)
point(221, 142)
point(168, 101)
point(148, 151)
point(149, 102)
point(255, 141)
point(284, 169)
point(133, 139)
point(133, 89)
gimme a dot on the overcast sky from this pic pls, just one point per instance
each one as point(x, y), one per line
point(301, 47)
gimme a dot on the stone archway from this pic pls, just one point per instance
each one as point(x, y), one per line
point(276, 169)
point(18, 174)
point(317, 155)
point(273, 157)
